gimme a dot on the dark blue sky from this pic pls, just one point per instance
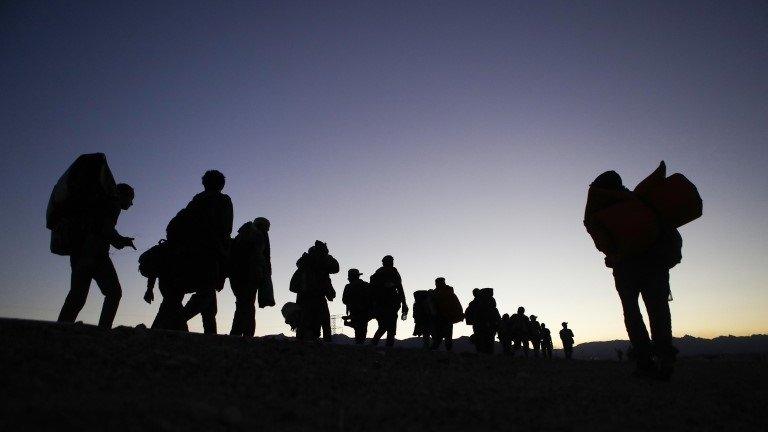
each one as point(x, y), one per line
point(458, 136)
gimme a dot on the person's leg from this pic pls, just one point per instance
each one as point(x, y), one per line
point(380, 329)
point(392, 330)
point(656, 298)
point(524, 343)
point(627, 287)
point(106, 278)
point(449, 337)
point(535, 349)
point(238, 320)
point(80, 282)
point(249, 318)
point(208, 313)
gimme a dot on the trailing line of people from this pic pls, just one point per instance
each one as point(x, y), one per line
point(636, 230)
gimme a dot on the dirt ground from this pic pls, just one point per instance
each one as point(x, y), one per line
point(76, 377)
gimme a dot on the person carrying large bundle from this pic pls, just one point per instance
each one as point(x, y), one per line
point(637, 232)
point(483, 315)
point(250, 275)
point(82, 214)
point(158, 264)
point(313, 287)
point(449, 312)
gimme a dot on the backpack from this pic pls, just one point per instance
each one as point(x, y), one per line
point(298, 281)
point(181, 227)
point(154, 261)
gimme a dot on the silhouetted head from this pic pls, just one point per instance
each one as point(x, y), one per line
point(565, 325)
point(533, 317)
point(608, 180)
point(353, 274)
point(213, 181)
point(505, 317)
point(521, 310)
point(476, 292)
point(262, 223)
point(125, 196)
point(440, 281)
point(388, 261)
point(320, 247)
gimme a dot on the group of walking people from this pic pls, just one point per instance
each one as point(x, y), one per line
point(636, 230)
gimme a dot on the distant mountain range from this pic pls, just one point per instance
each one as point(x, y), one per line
point(689, 346)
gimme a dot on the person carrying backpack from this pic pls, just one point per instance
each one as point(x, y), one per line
point(534, 335)
point(637, 232)
point(250, 275)
point(82, 214)
point(312, 284)
point(449, 312)
point(201, 233)
point(483, 316)
point(388, 295)
point(519, 326)
point(357, 299)
point(156, 264)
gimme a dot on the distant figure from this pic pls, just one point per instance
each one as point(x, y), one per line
point(202, 231)
point(546, 342)
point(158, 264)
point(250, 274)
point(519, 327)
point(483, 316)
point(642, 252)
point(449, 312)
point(312, 284)
point(357, 299)
point(566, 337)
point(505, 339)
point(534, 335)
point(620, 354)
point(388, 297)
point(82, 215)
point(424, 312)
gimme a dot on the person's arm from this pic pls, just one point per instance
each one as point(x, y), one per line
point(108, 222)
point(149, 296)
point(401, 292)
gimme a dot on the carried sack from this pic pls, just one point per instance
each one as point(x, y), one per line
point(87, 184)
point(448, 306)
point(154, 261)
point(298, 281)
point(291, 314)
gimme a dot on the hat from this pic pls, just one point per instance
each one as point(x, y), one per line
point(533, 317)
point(353, 271)
point(439, 280)
point(564, 323)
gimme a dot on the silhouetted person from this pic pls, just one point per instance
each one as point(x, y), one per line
point(424, 312)
point(357, 299)
point(566, 337)
point(388, 297)
point(519, 327)
point(483, 316)
point(448, 312)
point(641, 273)
point(202, 231)
point(534, 335)
point(250, 274)
point(620, 354)
point(546, 342)
point(96, 218)
point(312, 284)
point(157, 265)
point(505, 339)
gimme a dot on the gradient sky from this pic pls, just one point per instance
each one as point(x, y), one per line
point(459, 137)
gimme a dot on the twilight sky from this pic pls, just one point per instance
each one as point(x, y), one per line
point(460, 137)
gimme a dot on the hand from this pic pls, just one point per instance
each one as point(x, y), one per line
point(149, 296)
point(128, 241)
